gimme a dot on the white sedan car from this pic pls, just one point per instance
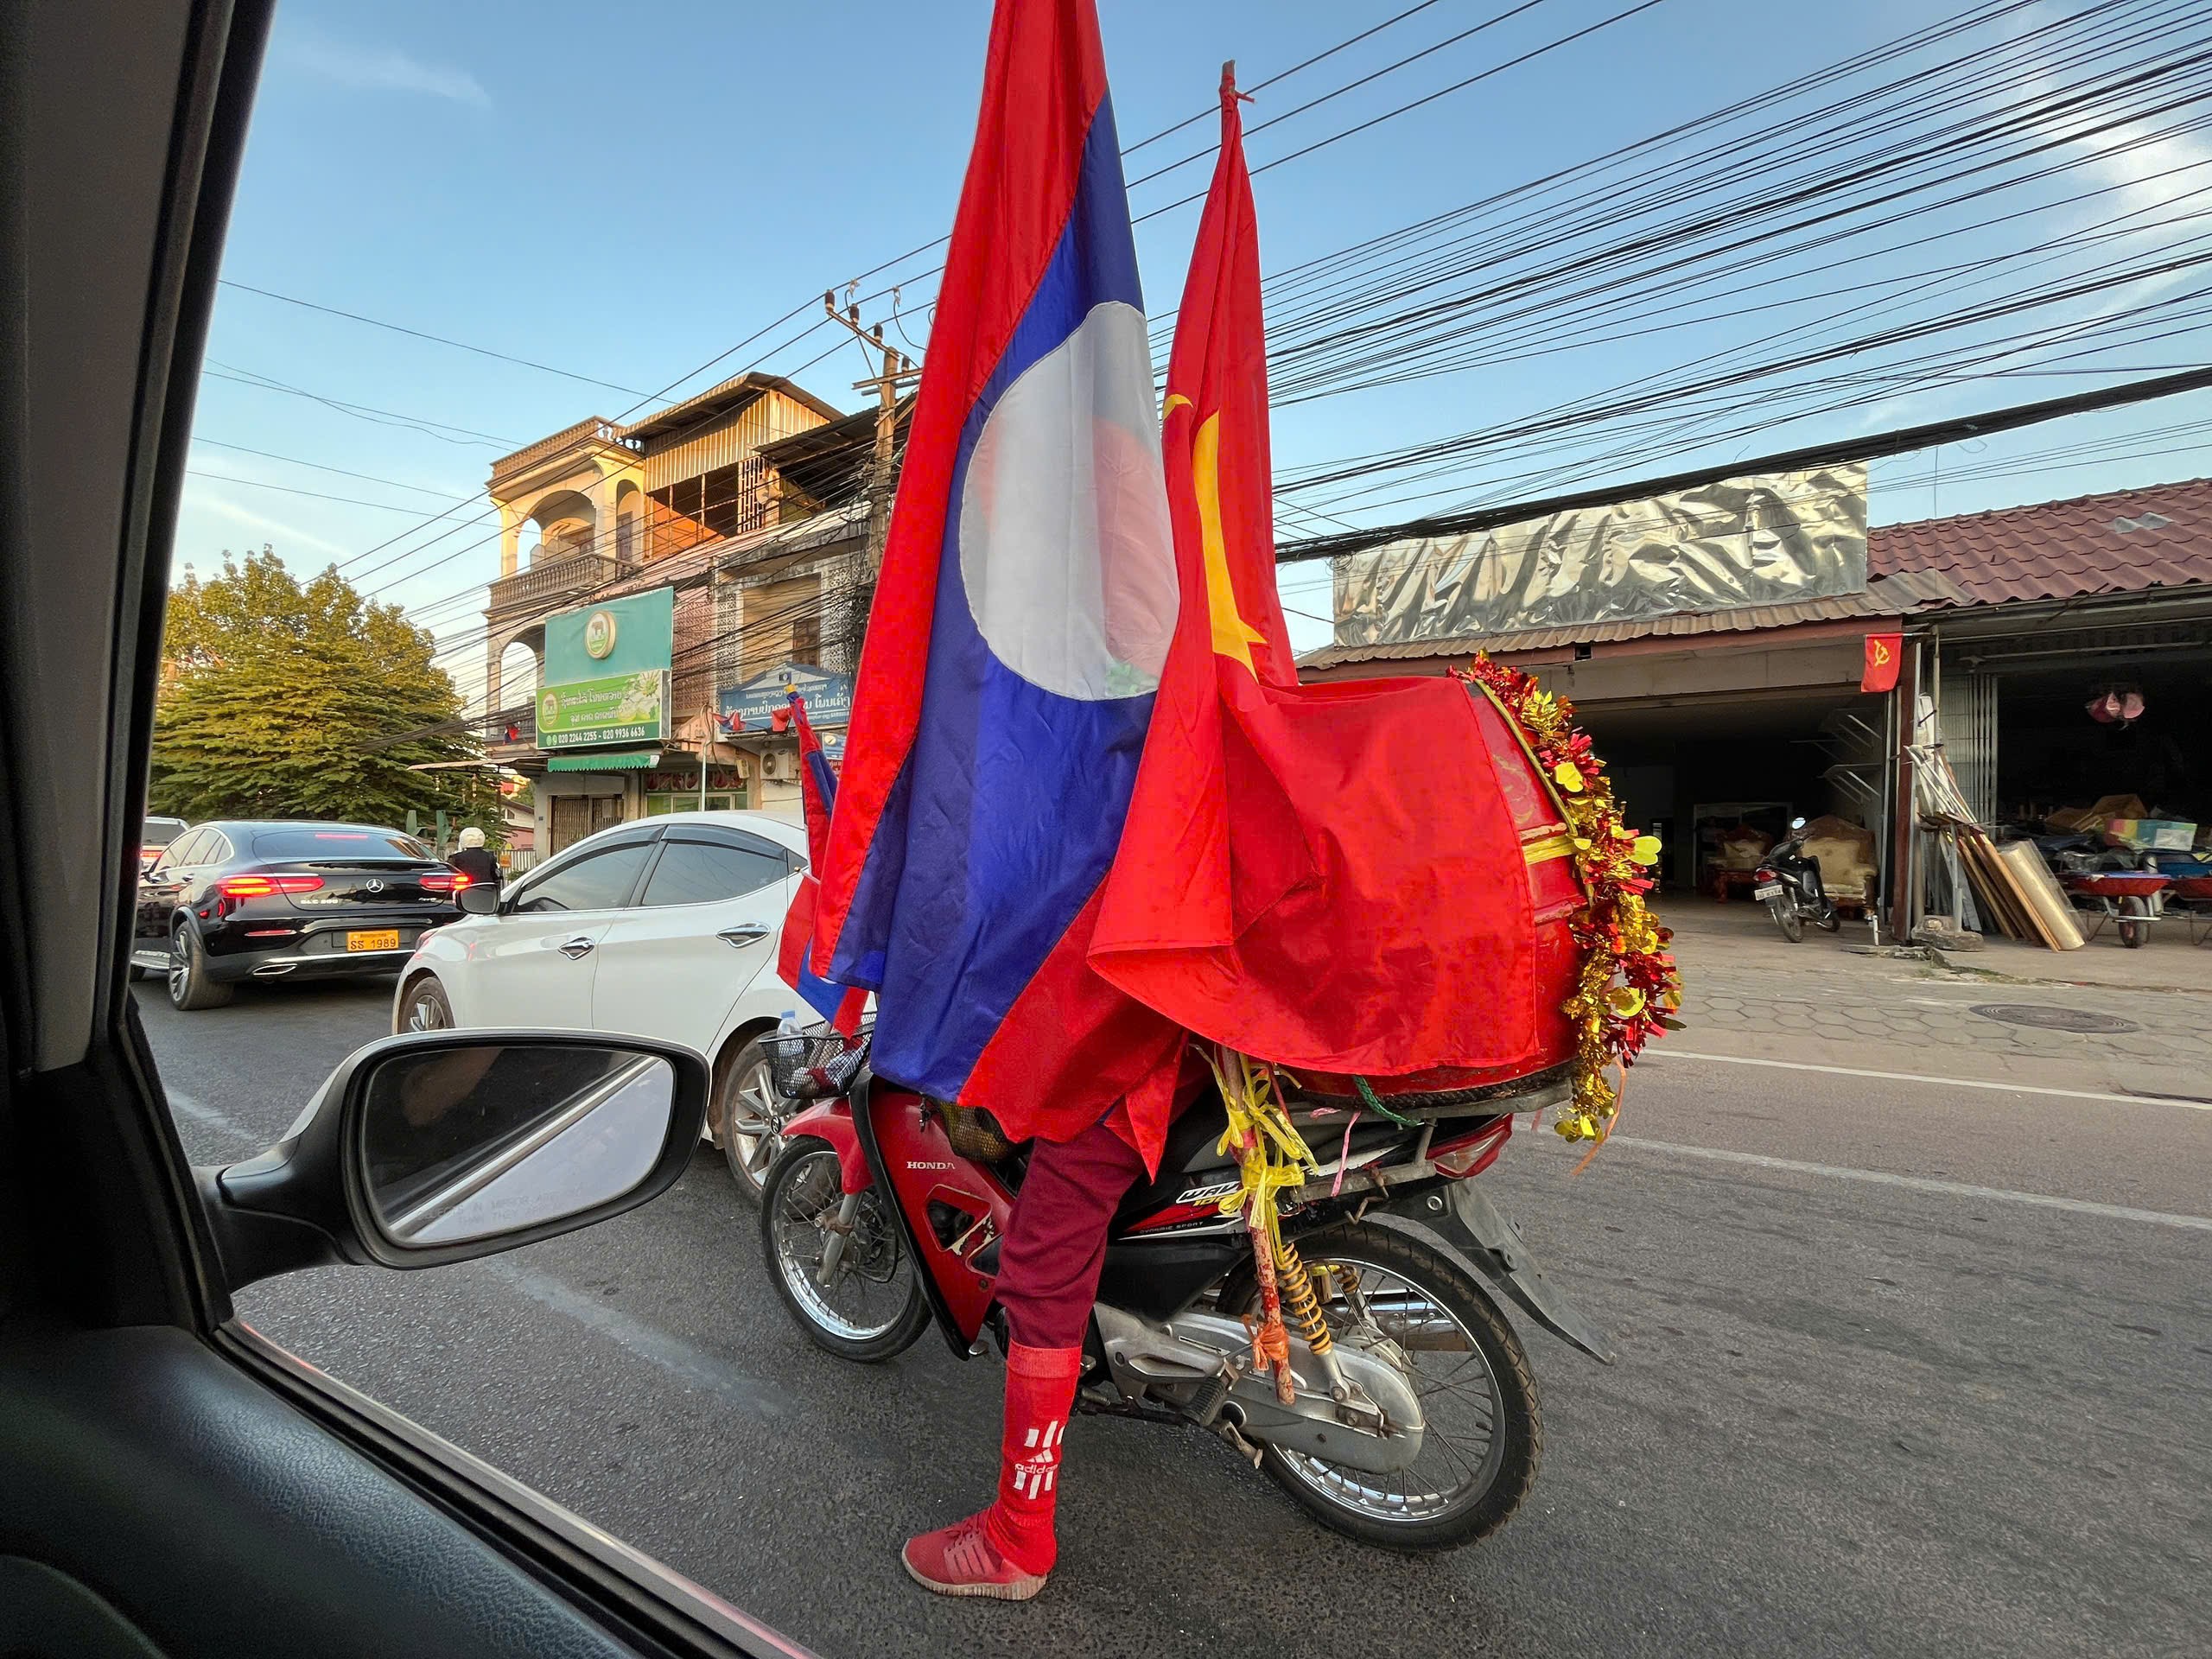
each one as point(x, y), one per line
point(665, 928)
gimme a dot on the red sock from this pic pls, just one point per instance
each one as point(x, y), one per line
point(1039, 1392)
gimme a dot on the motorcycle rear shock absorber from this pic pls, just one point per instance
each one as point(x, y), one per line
point(1305, 1309)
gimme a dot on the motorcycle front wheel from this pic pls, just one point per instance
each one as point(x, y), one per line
point(1784, 911)
point(1483, 1436)
point(870, 1305)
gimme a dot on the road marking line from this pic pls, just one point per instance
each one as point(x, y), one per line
point(692, 1366)
point(199, 1112)
point(1665, 1053)
point(1920, 1184)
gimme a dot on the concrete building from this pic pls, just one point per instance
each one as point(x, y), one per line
point(2009, 623)
point(748, 500)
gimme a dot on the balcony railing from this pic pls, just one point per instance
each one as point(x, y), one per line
point(541, 586)
point(591, 430)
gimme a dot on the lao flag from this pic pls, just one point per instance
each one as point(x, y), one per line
point(1327, 876)
point(1024, 609)
point(818, 792)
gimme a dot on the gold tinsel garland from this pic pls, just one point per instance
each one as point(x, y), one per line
point(1627, 990)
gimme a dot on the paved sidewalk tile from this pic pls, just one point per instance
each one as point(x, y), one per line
point(1748, 992)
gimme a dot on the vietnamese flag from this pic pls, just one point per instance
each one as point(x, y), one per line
point(1324, 876)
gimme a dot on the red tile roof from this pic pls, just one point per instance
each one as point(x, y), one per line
point(2122, 542)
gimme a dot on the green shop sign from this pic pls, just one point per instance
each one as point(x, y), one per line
point(618, 636)
point(617, 708)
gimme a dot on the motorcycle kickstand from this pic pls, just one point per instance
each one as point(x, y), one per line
point(840, 1229)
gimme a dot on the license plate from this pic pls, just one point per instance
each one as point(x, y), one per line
point(382, 938)
point(1772, 890)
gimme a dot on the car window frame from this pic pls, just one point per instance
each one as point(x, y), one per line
point(707, 835)
point(515, 906)
point(114, 1237)
point(175, 856)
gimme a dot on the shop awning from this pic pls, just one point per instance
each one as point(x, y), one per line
point(618, 761)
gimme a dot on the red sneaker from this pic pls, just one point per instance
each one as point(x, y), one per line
point(961, 1561)
point(1008, 1551)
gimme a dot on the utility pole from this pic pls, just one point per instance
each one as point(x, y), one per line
point(897, 370)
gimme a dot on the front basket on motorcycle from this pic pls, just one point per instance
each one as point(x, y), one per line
point(814, 1064)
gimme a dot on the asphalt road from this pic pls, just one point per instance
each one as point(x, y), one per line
point(1904, 1369)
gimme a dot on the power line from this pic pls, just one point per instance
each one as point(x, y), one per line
point(421, 423)
point(418, 333)
point(1832, 453)
point(287, 489)
point(294, 461)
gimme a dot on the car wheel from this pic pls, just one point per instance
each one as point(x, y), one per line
point(751, 1117)
point(423, 1006)
point(191, 988)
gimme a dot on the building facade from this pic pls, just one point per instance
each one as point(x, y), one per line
point(747, 504)
point(2005, 626)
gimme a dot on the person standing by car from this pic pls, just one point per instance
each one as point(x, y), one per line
point(475, 860)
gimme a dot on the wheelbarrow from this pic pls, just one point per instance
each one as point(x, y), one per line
point(2133, 898)
point(2192, 896)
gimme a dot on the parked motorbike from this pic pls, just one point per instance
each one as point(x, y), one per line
point(1788, 881)
point(1413, 1423)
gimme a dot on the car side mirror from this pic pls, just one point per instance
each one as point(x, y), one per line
point(477, 900)
point(438, 1146)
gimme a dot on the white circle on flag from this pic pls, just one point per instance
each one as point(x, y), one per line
point(1065, 553)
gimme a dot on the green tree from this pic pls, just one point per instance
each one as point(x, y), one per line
point(288, 699)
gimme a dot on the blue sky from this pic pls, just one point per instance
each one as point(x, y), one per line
point(623, 193)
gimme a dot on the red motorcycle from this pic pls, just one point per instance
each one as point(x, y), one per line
point(1413, 1422)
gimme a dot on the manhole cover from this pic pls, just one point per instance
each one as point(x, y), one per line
point(2048, 1019)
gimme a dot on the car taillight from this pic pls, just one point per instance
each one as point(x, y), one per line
point(1460, 1159)
point(261, 886)
point(452, 883)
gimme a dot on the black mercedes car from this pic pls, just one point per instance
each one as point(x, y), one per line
point(233, 900)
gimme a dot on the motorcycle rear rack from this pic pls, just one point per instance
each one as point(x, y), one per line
point(1551, 1087)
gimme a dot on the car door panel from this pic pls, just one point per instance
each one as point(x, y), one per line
point(538, 960)
point(161, 889)
point(159, 1493)
point(705, 925)
point(267, 1531)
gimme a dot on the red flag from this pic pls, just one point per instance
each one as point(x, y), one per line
point(818, 794)
point(1883, 652)
point(1324, 875)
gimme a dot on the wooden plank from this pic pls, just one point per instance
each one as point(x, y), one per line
point(1994, 889)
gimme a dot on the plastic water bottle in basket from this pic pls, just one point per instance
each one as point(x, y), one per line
point(814, 1062)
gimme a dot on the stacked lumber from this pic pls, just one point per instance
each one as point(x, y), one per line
point(2011, 882)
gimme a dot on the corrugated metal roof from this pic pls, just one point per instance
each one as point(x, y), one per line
point(2128, 541)
point(1907, 591)
point(717, 401)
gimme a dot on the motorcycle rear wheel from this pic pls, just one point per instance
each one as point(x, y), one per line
point(874, 1307)
point(1784, 911)
point(1485, 1438)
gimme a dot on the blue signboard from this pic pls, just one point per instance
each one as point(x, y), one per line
point(752, 707)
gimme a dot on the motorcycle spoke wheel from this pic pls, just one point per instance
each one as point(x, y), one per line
point(1483, 1437)
point(872, 1306)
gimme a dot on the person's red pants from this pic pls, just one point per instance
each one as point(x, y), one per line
point(1056, 1238)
